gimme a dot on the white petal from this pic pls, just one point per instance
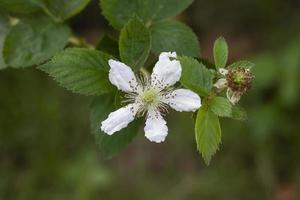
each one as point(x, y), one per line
point(156, 129)
point(221, 83)
point(167, 55)
point(223, 71)
point(183, 100)
point(166, 72)
point(119, 119)
point(122, 76)
point(233, 97)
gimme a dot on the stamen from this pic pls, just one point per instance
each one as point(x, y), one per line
point(148, 93)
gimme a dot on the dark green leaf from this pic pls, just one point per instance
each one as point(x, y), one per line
point(109, 45)
point(63, 9)
point(242, 63)
point(34, 40)
point(134, 43)
point(4, 27)
point(208, 133)
point(83, 71)
point(239, 113)
point(220, 52)
point(57, 9)
point(195, 76)
point(20, 6)
point(118, 12)
point(221, 107)
point(110, 144)
point(174, 36)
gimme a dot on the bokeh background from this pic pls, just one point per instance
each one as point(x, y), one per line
point(47, 151)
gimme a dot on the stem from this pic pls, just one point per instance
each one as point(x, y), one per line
point(80, 42)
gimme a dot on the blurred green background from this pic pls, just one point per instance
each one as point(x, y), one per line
point(47, 151)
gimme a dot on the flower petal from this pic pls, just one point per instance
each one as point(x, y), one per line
point(122, 76)
point(119, 119)
point(183, 100)
point(223, 71)
point(233, 97)
point(221, 84)
point(167, 55)
point(156, 129)
point(166, 72)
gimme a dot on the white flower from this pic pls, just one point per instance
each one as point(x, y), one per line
point(151, 96)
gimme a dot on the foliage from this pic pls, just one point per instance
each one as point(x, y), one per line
point(34, 33)
point(47, 152)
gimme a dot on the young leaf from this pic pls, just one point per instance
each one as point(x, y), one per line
point(109, 45)
point(195, 76)
point(119, 12)
point(3, 32)
point(134, 43)
point(242, 63)
point(34, 40)
point(220, 52)
point(63, 9)
point(110, 144)
point(239, 113)
point(221, 107)
point(208, 133)
point(20, 6)
point(174, 36)
point(83, 71)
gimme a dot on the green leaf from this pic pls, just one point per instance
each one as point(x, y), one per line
point(196, 76)
point(220, 52)
point(174, 36)
point(109, 45)
point(208, 133)
point(34, 40)
point(20, 6)
point(63, 9)
point(80, 70)
point(134, 43)
point(241, 63)
point(221, 107)
point(239, 113)
point(110, 144)
point(4, 28)
point(58, 10)
point(119, 12)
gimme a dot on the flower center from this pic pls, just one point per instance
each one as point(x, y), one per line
point(239, 79)
point(149, 96)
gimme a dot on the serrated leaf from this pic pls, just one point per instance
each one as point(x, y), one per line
point(20, 6)
point(34, 40)
point(241, 63)
point(57, 9)
point(195, 76)
point(119, 12)
point(220, 52)
point(109, 45)
point(80, 70)
point(134, 43)
point(221, 107)
point(110, 145)
point(63, 9)
point(4, 28)
point(208, 133)
point(239, 113)
point(174, 36)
